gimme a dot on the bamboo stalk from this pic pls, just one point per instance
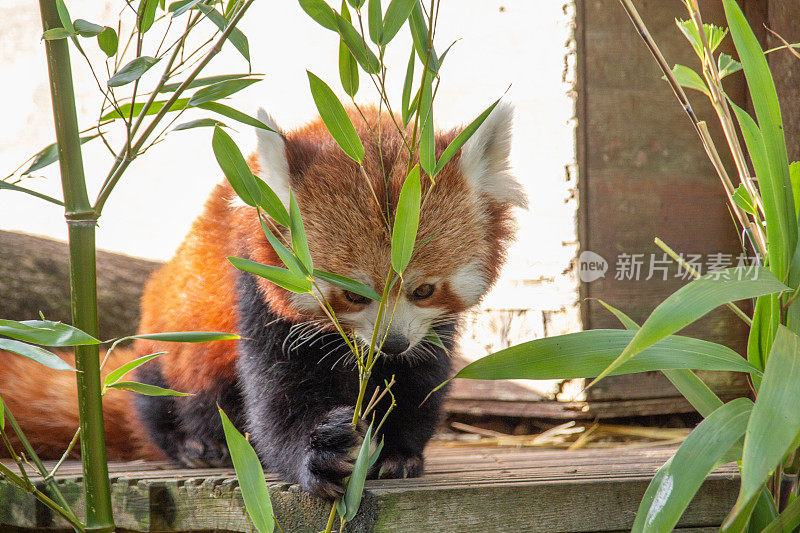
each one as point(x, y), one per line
point(81, 220)
point(699, 126)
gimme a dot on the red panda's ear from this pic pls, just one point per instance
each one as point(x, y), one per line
point(485, 159)
point(271, 151)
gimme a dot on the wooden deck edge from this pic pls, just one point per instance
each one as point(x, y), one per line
point(489, 503)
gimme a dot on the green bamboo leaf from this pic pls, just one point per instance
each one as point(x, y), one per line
point(406, 221)
point(273, 205)
point(108, 41)
point(433, 338)
point(63, 15)
point(375, 21)
point(421, 38)
point(688, 384)
point(145, 389)
point(396, 15)
point(766, 317)
point(299, 241)
point(626, 321)
point(693, 301)
point(335, 118)
point(376, 454)
point(365, 57)
point(12, 187)
point(406, 104)
point(132, 71)
point(694, 389)
point(764, 512)
point(220, 90)
point(772, 192)
point(47, 156)
point(774, 425)
point(744, 200)
point(279, 276)
point(688, 78)
point(84, 28)
point(355, 487)
point(186, 336)
point(146, 15)
point(348, 284)
point(235, 168)
point(252, 483)
point(54, 34)
point(427, 147)
point(234, 114)
point(285, 255)
point(456, 144)
point(768, 112)
point(154, 108)
point(348, 69)
point(427, 143)
point(356, 3)
point(714, 35)
point(588, 353)
point(320, 12)
point(34, 353)
point(726, 65)
point(236, 37)
point(794, 178)
point(118, 373)
point(179, 8)
point(788, 520)
point(202, 82)
point(199, 123)
point(45, 333)
point(681, 477)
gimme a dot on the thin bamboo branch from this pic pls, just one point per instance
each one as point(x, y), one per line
point(116, 172)
point(699, 126)
point(720, 103)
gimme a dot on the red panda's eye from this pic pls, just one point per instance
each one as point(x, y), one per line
point(423, 291)
point(355, 298)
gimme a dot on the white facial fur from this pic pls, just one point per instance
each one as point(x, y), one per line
point(469, 283)
point(410, 321)
point(485, 158)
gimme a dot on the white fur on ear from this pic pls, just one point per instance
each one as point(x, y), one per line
point(272, 157)
point(484, 158)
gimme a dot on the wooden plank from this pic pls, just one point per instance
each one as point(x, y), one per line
point(783, 17)
point(485, 489)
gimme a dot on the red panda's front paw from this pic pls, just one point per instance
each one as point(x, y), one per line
point(203, 453)
point(397, 466)
point(333, 445)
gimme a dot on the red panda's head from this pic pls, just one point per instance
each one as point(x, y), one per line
point(465, 224)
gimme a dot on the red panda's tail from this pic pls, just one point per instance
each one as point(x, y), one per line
point(45, 404)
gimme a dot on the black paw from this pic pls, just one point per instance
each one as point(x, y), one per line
point(198, 453)
point(396, 466)
point(333, 445)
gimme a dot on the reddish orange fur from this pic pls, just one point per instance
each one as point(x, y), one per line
point(45, 403)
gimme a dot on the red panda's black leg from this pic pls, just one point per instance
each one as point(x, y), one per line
point(188, 429)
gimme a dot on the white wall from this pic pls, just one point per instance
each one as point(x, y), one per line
point(522, 43)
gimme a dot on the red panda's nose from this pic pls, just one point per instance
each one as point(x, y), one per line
point(395, 344)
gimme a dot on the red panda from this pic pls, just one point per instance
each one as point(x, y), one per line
point(289, 381)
